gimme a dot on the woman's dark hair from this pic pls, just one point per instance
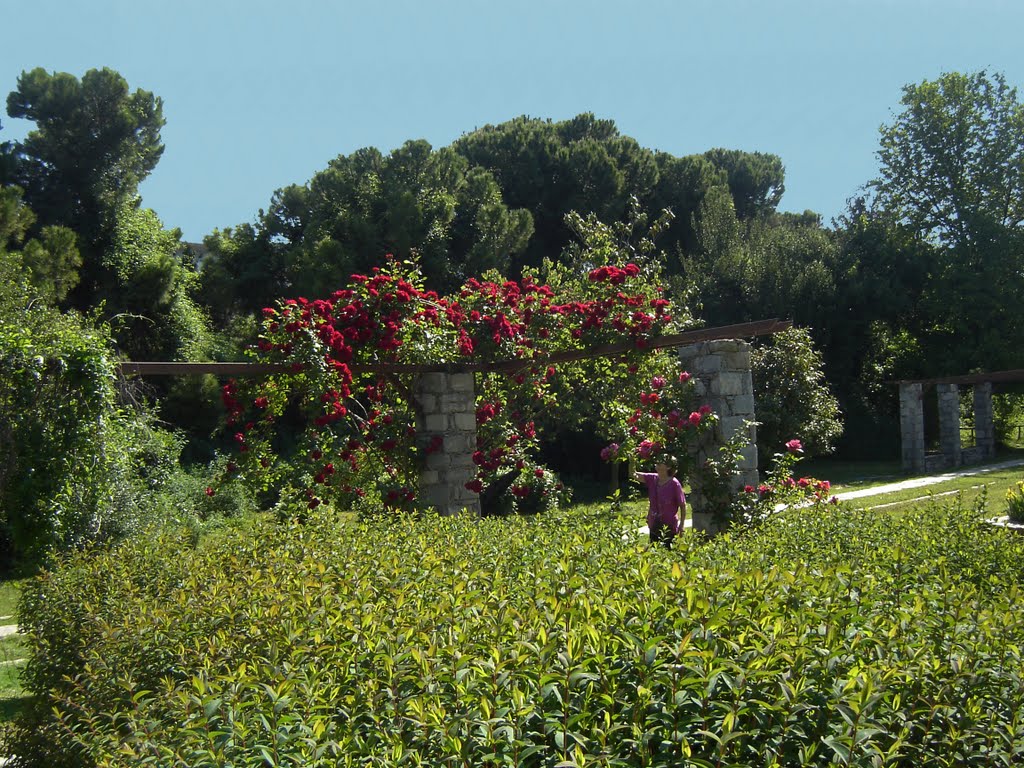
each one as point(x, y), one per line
point(669, 461)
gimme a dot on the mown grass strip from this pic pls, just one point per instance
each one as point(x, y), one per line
point(995, 483)
point(10, 591)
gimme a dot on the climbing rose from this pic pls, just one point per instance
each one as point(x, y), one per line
point(794, 446)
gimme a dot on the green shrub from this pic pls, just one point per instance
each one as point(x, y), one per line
point(793, 399)
point(82, 459)
point(823, 637)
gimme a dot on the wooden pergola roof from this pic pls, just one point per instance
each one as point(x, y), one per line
point(997, 377)
point(738, 331)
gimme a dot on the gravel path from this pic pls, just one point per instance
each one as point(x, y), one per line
point(921, 482)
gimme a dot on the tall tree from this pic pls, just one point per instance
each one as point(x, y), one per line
point(952, 163)
point(552, 168)
point(93, 144)
point(952, 171)
point(352, 213)
point(756, 180)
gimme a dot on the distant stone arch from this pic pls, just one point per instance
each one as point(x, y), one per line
point(914, 454)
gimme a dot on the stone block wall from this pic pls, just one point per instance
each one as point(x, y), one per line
point(447, 408)
point(949, 424)
point(951, 452)
point(984, 431)
point(721, 370)
point(446, 405)
point(912, 427)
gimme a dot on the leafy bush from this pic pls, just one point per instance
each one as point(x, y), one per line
point(823, 637)
point(1008, 416)
point(76, 464)
point(792, 396)
point(67, 452)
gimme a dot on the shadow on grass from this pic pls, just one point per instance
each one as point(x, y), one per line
point(10, 708)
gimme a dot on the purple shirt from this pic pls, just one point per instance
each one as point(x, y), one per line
point(666, 500)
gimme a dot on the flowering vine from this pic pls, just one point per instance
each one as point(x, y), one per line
point(346, 383)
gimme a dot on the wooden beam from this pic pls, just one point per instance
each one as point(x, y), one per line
point(738, 331)
point(997, 377)
point(200, 369)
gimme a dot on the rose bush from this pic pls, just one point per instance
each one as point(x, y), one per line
point(781, 488)
point(348, 363)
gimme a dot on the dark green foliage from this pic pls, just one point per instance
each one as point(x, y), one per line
point(952, 172)
point(682, 186)
point(756, 180)
point(359, 208)
point(94, 143)
point(497, 198)
point(781, 265)
point(76, 463)
point(825, 637)
point(50, 262)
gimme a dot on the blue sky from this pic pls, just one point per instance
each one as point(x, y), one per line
point(258, 95)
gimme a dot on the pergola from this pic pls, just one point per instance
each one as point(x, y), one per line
point(445, 400)
point(947, 388)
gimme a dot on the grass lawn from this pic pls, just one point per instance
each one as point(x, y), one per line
point(857, 475)
point(851, 475)
point(12, 654)
point(9, 593)
point(995, 484)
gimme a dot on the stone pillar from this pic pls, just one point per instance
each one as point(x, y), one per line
point(912, 427)
point(984, 431)
point(722, 373)
point(447, 407)
point(949, 423)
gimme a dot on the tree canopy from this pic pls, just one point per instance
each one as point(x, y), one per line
point(952, 173)
point(93, 144)
point(952, 162)
point(921, 276)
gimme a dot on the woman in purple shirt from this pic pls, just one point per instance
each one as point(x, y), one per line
point(667, 500)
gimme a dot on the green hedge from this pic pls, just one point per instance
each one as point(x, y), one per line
point(827, 637)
